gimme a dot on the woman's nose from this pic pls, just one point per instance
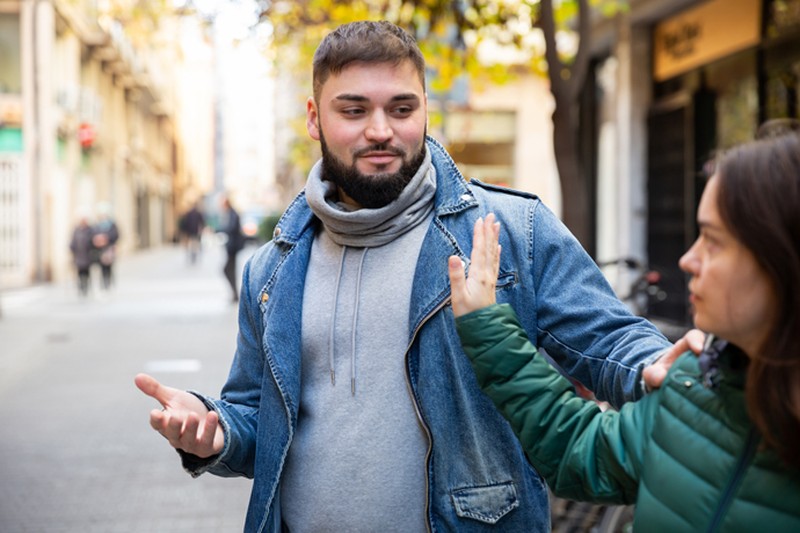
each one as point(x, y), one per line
point(689, 261)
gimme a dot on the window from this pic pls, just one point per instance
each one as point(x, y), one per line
point(10, 70)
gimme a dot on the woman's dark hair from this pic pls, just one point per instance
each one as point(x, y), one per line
point(367, 42)
point(759, 201)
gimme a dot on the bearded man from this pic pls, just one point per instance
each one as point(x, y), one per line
point(350, 402)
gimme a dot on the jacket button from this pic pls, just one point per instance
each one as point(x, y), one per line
point(688, 383)
point(264, 298)
point(276, 232)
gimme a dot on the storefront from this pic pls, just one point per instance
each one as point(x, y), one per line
point(720, 69)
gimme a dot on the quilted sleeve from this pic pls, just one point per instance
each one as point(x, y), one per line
point(582, 452)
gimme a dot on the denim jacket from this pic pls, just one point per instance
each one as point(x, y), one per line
point(478, 478)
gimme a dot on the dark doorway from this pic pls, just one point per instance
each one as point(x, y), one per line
point(669, 149)
point(680, 141)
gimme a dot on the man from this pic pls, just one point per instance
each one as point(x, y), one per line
point(191, 225)
point(82, 249)
point(232, 228)
point(350, 402)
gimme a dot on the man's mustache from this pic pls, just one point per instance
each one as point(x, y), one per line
point(380, 148)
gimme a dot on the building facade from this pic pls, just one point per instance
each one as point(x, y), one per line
point(87, 123)
point(675, 82)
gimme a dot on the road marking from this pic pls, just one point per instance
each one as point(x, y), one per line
point(173, 365)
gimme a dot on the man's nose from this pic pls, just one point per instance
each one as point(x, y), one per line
point(378, 130)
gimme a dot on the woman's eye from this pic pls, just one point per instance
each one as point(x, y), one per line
point(711, 243)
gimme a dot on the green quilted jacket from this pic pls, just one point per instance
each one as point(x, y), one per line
point(686, 455)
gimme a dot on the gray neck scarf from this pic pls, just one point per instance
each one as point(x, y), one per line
point(372, 227)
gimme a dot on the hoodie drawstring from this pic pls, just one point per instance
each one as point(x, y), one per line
point(331, 361)
point(331, 358)
point(355, 324)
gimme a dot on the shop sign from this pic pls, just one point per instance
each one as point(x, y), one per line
point(702, 34)
point(86, 135)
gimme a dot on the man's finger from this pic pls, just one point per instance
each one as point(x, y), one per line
point(206, 440)
point(173, 430)
point(654, 374)
point(157, 419)
point(151, 387)
point(189, 432)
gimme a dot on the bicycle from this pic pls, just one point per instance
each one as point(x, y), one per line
point(645, 288)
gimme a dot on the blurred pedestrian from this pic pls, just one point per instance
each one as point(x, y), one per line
point(717, 447)
point(82, 253)
point(191, 226)
point(104, 239)
point(231, 226)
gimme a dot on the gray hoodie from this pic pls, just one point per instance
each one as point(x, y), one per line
point(357, 461)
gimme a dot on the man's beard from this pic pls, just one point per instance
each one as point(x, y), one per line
point(375, 190)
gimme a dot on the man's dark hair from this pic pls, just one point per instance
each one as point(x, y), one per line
point(366, 42)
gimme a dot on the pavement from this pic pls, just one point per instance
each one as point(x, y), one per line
point(77, 453)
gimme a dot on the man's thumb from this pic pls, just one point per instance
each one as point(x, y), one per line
point(150, 386)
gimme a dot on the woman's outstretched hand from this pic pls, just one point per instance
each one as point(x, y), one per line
point(478, 289)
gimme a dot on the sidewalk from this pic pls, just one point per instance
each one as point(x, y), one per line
point(163, 264)
point(77, 453)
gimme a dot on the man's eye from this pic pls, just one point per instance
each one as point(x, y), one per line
point(353, 111)
point(403, 110)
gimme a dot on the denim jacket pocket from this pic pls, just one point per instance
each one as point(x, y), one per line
point(487, 503)
point(506, 279)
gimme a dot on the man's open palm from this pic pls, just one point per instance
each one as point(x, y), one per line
point(184, 421)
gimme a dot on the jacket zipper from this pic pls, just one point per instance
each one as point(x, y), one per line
point(727, 497)
point(419, 413)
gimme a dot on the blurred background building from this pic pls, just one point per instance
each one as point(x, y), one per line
point(94, 111)
point(87, 119)
point(672, 83)
point(143, 111)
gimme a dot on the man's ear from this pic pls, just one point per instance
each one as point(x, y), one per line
point(312, 118)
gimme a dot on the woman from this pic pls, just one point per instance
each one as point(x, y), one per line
point(106, 235)
point(717, 447)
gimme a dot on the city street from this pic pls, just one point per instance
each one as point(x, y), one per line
point(77, 453)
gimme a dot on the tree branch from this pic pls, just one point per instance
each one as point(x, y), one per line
point(580, 66)
point(554, 65)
